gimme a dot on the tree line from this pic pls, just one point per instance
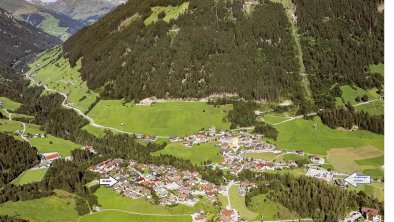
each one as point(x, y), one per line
point(16, 156)
point(348, 118)
point(340, 38)
point(214, 47)
point(308, 197)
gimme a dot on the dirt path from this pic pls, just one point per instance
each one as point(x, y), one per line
point(290, 9)
point(138, 213)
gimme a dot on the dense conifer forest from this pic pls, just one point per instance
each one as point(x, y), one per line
point(307, 196)
point(340, 38)
point(214, 47)
point(15, 157)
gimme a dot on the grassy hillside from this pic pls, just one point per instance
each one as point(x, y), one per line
point(301, 134)
point(30, 176)
point(55, 208)
point(197, 154)
point(164, 119)
point(59, 75)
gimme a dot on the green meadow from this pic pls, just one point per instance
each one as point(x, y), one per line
point(161, 119)
point(349, 93)
point(30, 176)
point(9, 104)
point(196, 154)
point(51, 25)
point(377, 68)
point(171, 12)
point(273, 119)
point(120, 216)
point(43, 145)
point(270, 210)
point(59, 208)
point(98, 132)
point(109, 199)
point(300, 134)
point(267, 156)
point(54, 144)
point(374, 190)
point(347, 160)
point(10, 126)
point(238, 203)
point(374, 108)
point(62, 77)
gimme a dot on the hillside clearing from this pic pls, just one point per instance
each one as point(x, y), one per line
point(300, 134)
point(30, 176)
point(196, 154)
point(344, 159)
point(53, 208)
point(238, 203)
point(62, 77)
point(161, 119)
point(171, 12)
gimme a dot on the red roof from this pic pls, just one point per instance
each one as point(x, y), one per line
point(227, 213)
point(51, 156)
point(140, 179)
point(370, 211)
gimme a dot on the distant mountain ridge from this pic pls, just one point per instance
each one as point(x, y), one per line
point(19, 41)
point(61, 18)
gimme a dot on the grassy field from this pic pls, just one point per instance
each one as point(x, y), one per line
point(272, 119)
point(374, 190)
point(62, 77)
point(172, 12)
point(269, 210)
point(294, 157)
point(300, 134)
point(43, 145)
point(378, 68)
point(54, 144)
point(119, 208)
point(376, 162)
point(109, 199)
point(59, 208)
point(163, 119)
point(51, 25)
point(10, 126)
point(238, 203)
point(267, 156)
point(373, 108)
point(197, 153)
point(349, 93)
point(345, 159)
point(9, 104)
point(98, 132)
point(118, 216)
point(30, 176)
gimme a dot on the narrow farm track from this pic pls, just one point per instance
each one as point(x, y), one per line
point(138, 213)
point(290, 9)
point(91, 121)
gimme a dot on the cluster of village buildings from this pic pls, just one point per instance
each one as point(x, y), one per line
point(172, 186)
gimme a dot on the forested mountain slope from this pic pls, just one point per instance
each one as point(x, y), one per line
point(44, 18)
point(340, 39)
point(19, 41)
point(175, 48)
point(86, 11)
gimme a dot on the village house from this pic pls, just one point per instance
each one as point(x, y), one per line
point(227, 215)
point(370, 214)
point(317, 160)
point(199, 216)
